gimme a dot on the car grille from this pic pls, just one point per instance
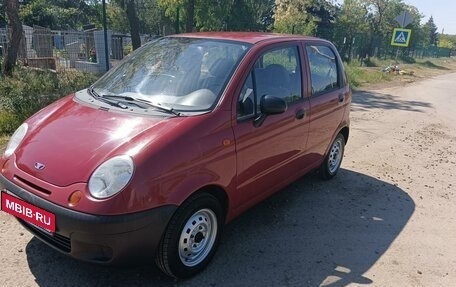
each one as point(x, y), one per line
point(34, 186)
point(56, 240)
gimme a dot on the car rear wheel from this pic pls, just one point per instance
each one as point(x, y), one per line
point(191, 237)
point(333, 159)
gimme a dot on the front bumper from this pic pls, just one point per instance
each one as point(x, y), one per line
point(99, 238)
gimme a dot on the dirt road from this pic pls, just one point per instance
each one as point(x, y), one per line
point(388, 218)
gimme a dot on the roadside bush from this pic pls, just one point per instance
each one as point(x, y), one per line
point(73, 80)
point(30, 90)
point(127, 49)
point(352, 75)
point(358, 76)
point(8, 122)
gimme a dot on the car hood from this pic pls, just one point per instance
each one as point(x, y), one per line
point(68, 140)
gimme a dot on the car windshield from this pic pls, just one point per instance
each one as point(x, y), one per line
point(184, 74)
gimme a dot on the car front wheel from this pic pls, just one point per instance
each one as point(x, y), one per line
point(191, 237)
point(333, 159)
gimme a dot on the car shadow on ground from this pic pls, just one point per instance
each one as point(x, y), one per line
point(311, 233)
point(366, 100)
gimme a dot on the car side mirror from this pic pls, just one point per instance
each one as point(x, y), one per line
point(269, 105)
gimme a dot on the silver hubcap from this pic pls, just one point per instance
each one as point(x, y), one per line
point(197, 237)
point(335, 156)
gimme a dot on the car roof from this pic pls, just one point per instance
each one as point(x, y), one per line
point(247, 37)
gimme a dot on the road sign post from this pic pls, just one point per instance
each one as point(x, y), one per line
point(401, 37)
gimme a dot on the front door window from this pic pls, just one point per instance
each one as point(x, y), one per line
point(276, 73)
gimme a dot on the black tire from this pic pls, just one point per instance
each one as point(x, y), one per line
point(183, 254)
point(333, 159)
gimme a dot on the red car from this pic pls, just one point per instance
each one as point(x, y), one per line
point(185, 134)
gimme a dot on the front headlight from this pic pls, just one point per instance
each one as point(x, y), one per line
point(111, 176)
point(16, 139)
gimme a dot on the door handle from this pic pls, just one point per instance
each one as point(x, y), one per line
point(300, 114)
point(341, 98)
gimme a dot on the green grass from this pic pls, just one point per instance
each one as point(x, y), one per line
point(432, 65)
point(359, 76)
point(3, 142)
point(363, 76)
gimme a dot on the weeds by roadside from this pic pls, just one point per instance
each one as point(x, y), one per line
point(358, 76)
point(30, 90)
point(361, 76)
point(3, 141)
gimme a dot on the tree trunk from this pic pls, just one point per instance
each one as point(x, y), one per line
point(14, 36)
point(190, 10)
point(133, 20)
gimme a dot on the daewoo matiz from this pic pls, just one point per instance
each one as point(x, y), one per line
point(185, 134)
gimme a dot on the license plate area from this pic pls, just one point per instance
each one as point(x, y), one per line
point(28, 212)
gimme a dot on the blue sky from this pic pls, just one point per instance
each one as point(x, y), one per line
point(443, 12)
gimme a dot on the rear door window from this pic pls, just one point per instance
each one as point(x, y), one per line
point(323, 69)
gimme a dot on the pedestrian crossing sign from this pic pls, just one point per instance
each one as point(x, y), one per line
point(401, 37)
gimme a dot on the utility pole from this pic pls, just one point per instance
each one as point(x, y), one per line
point(105, 32)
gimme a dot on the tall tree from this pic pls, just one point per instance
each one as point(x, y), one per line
point(190, 12)
point(262, 13)
point(116, 18)
point(430, 30)
point(14, 36)
point(183, 9)
point(59, 14)
point(212, 15)
point(240, 17)
point(415, 26)
point(309, 17)
point(324, 16)
point(381, 16)
point(3, 21)
point(351, 26)
point(292, 16)
point(151, 17)
point(129, 7)
point(447, 41)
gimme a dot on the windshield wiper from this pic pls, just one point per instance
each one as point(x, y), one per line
point(145, 102)
point(105, 100)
